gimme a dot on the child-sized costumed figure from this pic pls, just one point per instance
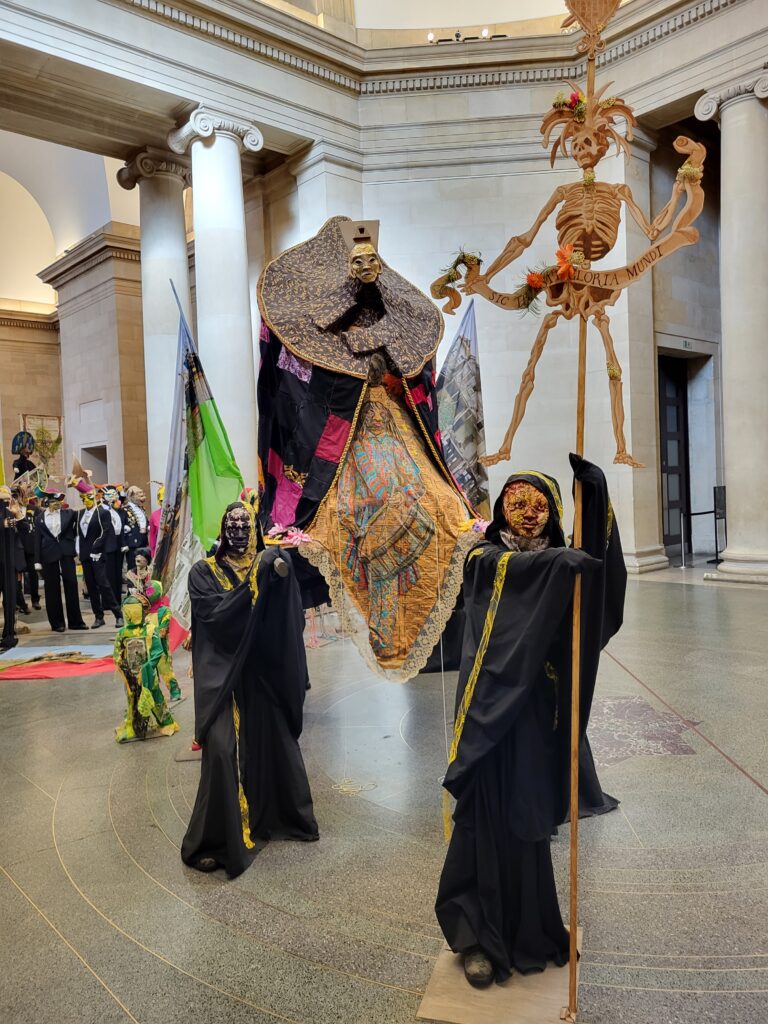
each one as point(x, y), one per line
point(509, 761)
point(159, 612)
point(138, 650)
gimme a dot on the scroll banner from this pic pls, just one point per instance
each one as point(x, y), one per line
point(613, 281)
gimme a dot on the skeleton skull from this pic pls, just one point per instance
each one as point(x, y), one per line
point(588, 148)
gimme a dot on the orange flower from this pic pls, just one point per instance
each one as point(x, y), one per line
point(565, 269)
point(535, 280)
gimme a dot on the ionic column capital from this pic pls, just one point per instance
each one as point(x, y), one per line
point(204, 123)
point(151, 163)
point(708, 107)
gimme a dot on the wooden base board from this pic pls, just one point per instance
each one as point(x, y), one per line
point(524, 999)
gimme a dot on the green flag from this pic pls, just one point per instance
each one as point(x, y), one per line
point(214, 478)
point(201, 478)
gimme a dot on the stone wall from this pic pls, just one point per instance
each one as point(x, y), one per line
point(30, 381)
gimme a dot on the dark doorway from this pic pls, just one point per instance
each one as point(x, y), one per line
point(673, 438)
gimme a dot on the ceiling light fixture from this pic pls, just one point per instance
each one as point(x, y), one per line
point(430, 37)
point(485, 33)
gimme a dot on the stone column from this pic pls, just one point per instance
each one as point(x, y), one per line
point(161, 179)
point(221, 271)
point(744, 317)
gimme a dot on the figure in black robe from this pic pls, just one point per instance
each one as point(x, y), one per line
point(250, 675)
point(509, 761)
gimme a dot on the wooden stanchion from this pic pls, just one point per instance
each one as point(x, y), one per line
point(569, 1012)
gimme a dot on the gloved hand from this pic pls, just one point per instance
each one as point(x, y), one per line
point(126, 528)
point(579, 561)
point(95, 558)
point(38, 567)
point(123, 550)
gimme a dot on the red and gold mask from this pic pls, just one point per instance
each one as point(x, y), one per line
point(526, 509)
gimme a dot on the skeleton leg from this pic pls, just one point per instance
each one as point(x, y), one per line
point(526, 388)
point(617, 402)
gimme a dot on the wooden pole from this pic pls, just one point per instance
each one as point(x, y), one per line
point(569, 1013)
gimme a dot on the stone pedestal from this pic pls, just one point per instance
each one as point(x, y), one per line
point(224, 328)
point(102, 353)
point(161, 180)
point(744, 214)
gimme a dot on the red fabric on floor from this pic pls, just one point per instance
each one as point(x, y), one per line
point(63, 669)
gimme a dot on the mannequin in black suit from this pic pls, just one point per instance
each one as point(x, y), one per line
point(26, 528)
point(55, 541)
point(95, 536)
point(136, 524)
point(8, 568)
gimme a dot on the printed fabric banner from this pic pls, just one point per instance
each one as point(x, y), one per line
point(201, 478)
point(460, 414)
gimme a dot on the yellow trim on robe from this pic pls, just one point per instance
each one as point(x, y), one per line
point(249, 843)
point(469, 689)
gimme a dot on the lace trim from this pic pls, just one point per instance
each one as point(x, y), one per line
point(353, 622)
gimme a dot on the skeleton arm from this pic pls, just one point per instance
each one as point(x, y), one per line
point(517, 245)
point(648, 229)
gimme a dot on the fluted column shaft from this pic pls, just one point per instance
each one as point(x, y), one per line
point(161, 180)
point(221, 273)
point(744, 313)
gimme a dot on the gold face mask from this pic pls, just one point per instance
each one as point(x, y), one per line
point(133, 614)
point(364, 263)
point(160, 494)
point(526, 509)
point(89, 500)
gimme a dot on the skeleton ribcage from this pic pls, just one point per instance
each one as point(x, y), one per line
point(589, 219)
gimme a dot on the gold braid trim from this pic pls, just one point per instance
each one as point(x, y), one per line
point(342, 460)
point(469, 689)
point(249, 843)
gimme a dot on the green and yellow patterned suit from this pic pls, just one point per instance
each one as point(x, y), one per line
point(138, 650)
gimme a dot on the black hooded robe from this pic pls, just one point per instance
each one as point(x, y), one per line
point(509, 763)
point(250, 680)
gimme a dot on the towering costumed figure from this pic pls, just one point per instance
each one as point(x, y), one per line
point(350, 454)
point(526, 932)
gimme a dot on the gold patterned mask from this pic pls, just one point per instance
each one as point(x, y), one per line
point(364, 263)
point(526, 509)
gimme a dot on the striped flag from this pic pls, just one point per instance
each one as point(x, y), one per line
point(460, 414)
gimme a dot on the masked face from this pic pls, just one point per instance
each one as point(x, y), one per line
point(54, 506)
point(364, 263)
point(237, 530)
point(160, 494)
point(133, 613)
point(89, 499)
point(141, 564)
point(137, 496)
point(526, 509)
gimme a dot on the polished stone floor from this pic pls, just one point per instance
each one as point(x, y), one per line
point(102, 923)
